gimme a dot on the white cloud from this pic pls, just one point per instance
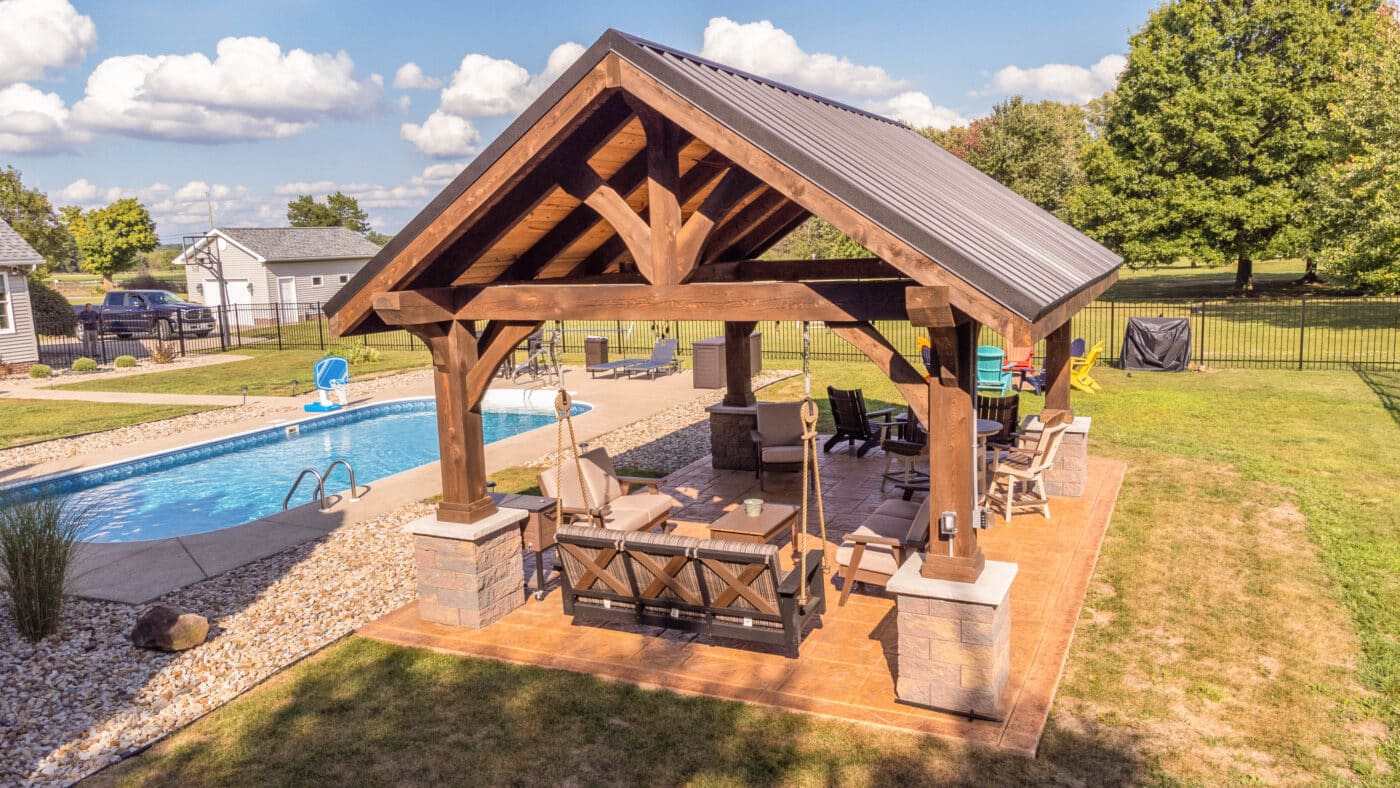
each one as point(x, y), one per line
point(404, 103)
point(38, 35)
point(251, 90)
point(918, 110)
point(34, 122)
point(443, 135)
point(79, 192)
point(297, 188)
point(369, 195)
point(1059, 80)
point(483, 86)
point(438, 174)
point(769, 51)
point(410, 76)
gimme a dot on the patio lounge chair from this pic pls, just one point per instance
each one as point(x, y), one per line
point(875, 550)
point(612, 507)
point(854, 422)
point(1079, 369)
point(991, 375)
point(1004, 410)
point(615, 367)
point(1021, 362)
point(777, 440)
point(1018, 471)
point(663, 359)
point(712, 586)
point(906, 447)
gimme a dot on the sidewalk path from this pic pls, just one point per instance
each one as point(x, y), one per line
point(138, 397)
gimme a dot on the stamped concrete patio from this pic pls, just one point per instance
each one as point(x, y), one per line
point(846, 668)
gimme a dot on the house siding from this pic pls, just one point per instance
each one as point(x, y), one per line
point(19, 346)
point(237, 264)
point(304, 270)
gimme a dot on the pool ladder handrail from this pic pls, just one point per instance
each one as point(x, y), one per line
point(319, 494)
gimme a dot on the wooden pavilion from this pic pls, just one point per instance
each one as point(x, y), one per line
point(645, 183)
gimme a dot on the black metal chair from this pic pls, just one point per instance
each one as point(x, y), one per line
point(854, 422)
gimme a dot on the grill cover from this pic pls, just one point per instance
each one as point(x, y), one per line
point(1157, 344)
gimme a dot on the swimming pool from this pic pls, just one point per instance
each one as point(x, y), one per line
point(232, 481)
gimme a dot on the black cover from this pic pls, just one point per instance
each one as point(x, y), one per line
point(1157, 344)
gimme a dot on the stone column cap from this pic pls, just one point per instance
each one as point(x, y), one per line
point(990, 589)
point(1080, 425)
point(484, 528)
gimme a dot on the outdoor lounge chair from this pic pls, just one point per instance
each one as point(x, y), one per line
point(906, 447)
point(712, 586)
point(1079, 369)
point(777, 440)
point(854, 422)
point(1020, 361)
point(612, 507)
point(879, 546)
point(663, 360)
point(1018, 471)
point(991, 375)
point(615, 367)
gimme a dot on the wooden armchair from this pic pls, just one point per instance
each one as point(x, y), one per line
point(1017, 474)
point(906, 447)
point(613, 506)
point(874, 551)
point(854, 422)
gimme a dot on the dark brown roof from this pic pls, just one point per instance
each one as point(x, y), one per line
point(1017, 254)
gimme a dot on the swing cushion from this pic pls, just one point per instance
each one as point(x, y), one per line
point(635, 512)
point(910, 530)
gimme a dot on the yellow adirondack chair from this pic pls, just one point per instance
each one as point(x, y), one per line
point(1079, 369)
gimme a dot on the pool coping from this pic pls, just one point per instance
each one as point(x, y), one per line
point(140, 571)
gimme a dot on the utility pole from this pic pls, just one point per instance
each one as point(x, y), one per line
point(210, 204)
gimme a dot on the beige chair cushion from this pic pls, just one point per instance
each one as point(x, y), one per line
point(782, 454)
point(647, 505)
point(895, 507)
point(780, 423)
point(918, 525)
point(598, 475)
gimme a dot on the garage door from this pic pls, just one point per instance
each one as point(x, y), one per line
point(239, 295)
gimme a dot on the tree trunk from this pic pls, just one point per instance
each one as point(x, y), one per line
point(107, 283)
point(1310, 276)
point(1244, 277)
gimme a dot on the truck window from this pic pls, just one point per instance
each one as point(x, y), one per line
point(135, 300)
point(114, 299)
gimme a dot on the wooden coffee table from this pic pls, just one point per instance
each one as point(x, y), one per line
point(738, 526)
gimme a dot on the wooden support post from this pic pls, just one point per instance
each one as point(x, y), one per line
point(1057, 370)
point(460, 437)
point(952, 438)
point(738, 363)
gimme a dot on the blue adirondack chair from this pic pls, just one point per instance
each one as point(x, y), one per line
point(990, 373)
point(331, 373)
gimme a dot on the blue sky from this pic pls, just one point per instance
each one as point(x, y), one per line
point(254, 101)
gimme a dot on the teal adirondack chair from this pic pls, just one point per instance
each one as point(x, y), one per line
point(990, 373)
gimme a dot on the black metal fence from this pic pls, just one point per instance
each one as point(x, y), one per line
point(1302, 333)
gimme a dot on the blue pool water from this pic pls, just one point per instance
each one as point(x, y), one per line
point(229, 482)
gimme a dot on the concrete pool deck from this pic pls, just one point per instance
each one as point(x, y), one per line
point(137, 572)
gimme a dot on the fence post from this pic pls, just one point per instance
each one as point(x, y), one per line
point(277, 321)
point(1302, 328)
point(1112, 331)
point(321, 327)
point(223, 328)
point(1201, 338)
point(180, 329)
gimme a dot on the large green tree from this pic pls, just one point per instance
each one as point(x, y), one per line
point(339, 210)
point(1031, 148)
point(1211, 137)
point(816, 239)
point(113, 238)
point(31, 215)
point(1354, 213)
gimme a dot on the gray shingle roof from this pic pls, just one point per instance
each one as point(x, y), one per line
point(302, 243)
point(14, 250)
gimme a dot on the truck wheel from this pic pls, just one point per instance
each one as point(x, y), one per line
point(163, 329)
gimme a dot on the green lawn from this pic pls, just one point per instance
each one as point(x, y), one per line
point(1241, 627)
point(270, 373)
point(31, 420)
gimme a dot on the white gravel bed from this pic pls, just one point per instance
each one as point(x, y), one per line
point(80, 700)
point(671, 439)
point(62, 448)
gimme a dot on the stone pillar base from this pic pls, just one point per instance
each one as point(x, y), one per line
point(1065, 479)
point(954, 651)
point(469, 574)
point(731, 447)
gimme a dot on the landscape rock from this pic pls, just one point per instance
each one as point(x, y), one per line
point(166, 628)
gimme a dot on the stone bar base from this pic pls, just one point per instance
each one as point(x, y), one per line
point(954, 651)
point(731, 447)
point(469, 575)
point(1065, 479)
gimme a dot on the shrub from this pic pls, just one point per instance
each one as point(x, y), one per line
point(122, 362)
point(148, 282)
point(38, 541)
point(355, 353)
point(84, 364)
point(40, 371)
point(161, 352)
point(53, 315)
point(6, 369)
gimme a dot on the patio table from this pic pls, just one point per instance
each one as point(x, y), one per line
point(738, 526)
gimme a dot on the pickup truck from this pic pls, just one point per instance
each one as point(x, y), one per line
point(159, 312)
